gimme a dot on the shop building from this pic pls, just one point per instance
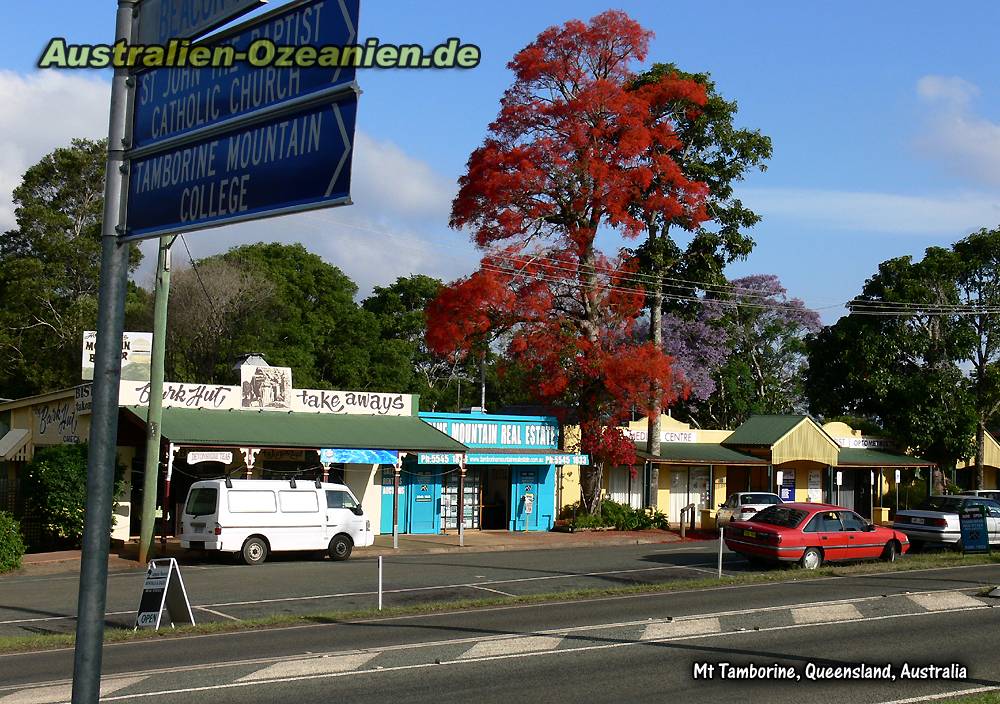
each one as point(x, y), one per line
point(790, 455)
point(511, 476)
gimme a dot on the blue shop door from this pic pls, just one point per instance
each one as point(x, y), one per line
point(525, 490)
point(424, 496)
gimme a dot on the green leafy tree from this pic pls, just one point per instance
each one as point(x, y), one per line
point(900, 369)
point(49, 267)
point(710, 150)
point(978, 281)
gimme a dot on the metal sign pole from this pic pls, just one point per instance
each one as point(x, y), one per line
point(461, 501)
point(101, 457)
point(395, 502)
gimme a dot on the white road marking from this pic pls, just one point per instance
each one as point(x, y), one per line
point(309, 666)
point(945, 601)
point(566, 602)
point(62, 692)
point(826, 614)
point(943, 695)
point(684, 627)
point(512, 646)
point(465, 660)
point(217, 613)
point(495, 591)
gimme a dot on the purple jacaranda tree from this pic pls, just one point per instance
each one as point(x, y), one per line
point(743, 353)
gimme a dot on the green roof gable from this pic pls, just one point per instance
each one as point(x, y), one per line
point(290, 429)
point(763, 430)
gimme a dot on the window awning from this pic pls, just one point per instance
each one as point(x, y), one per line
point(188, 426)
point(13, 441)
point(858, 457)
point(698, 453)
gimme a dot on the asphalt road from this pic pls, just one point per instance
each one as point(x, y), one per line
point(294, 585)
point(639, 647)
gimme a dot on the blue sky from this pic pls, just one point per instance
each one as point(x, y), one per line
point(885, 119)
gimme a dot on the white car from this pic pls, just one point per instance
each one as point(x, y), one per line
point(935, 521)
point(744, 504)
point(254, 517)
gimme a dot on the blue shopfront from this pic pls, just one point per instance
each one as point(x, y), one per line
point(509, 483)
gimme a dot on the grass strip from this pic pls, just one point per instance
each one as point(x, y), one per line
point(921, 561)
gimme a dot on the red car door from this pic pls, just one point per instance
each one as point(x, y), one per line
point(860, 542)
point(825, 531)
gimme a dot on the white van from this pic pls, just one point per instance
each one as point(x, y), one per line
point(256, 516)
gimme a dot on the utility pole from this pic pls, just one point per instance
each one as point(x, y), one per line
point(101, 458)
point(154, 413)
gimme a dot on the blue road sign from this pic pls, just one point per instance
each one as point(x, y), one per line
point(282, 163)
point(173, 102)
point(163, 20)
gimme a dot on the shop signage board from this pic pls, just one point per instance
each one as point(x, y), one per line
point(499, 432)
point(447, 458)
point(159, 21)
point(216, 456)
point(972, 522)
point(665, 435)
point(176, 102)
point(865, 443)
point(137, 350)
point(219, 397)
point(162, 589)
point(288, 163)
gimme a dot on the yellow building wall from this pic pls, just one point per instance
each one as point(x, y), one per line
point(805, 442)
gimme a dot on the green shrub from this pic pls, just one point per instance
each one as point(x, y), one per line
point(11, 544)
point(55, 486)
point(614, 515)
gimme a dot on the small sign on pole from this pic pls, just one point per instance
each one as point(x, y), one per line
point(975, 538)
point(163, 588)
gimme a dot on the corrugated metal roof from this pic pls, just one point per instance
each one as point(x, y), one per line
point(314, 430)
point(763, 430)
point(858, 457)
point(698, 453)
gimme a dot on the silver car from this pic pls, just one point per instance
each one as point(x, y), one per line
point(744, 504)
point(935, 521)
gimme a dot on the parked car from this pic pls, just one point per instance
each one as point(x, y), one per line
point(812, 534)
point(743, 504)
point(935, 521)
point(253, 517)
point(985, 493)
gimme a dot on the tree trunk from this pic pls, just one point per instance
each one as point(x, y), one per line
point(590, 487)
point(653, 426)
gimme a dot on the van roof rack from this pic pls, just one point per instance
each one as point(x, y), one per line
point(291, 482)
point(229, 482)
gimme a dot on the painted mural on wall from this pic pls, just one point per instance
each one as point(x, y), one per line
point(266, 387)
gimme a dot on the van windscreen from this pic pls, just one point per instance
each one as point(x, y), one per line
point(202, 501)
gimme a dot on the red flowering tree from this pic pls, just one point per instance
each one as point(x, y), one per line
point(574, 149)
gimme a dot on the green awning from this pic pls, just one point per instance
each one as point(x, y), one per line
point(698, 453)
point(188, 426)
point(858, 457)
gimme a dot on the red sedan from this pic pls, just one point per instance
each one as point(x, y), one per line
point(812, 534)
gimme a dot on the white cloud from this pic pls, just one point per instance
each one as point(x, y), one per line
point(949, 89)
point(397, 226)
point(967, 143)
point(42, 111)
point(890, 213)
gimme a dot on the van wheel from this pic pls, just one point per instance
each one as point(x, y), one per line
point(254, 551)
point(340, 548)
point(812, 558)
